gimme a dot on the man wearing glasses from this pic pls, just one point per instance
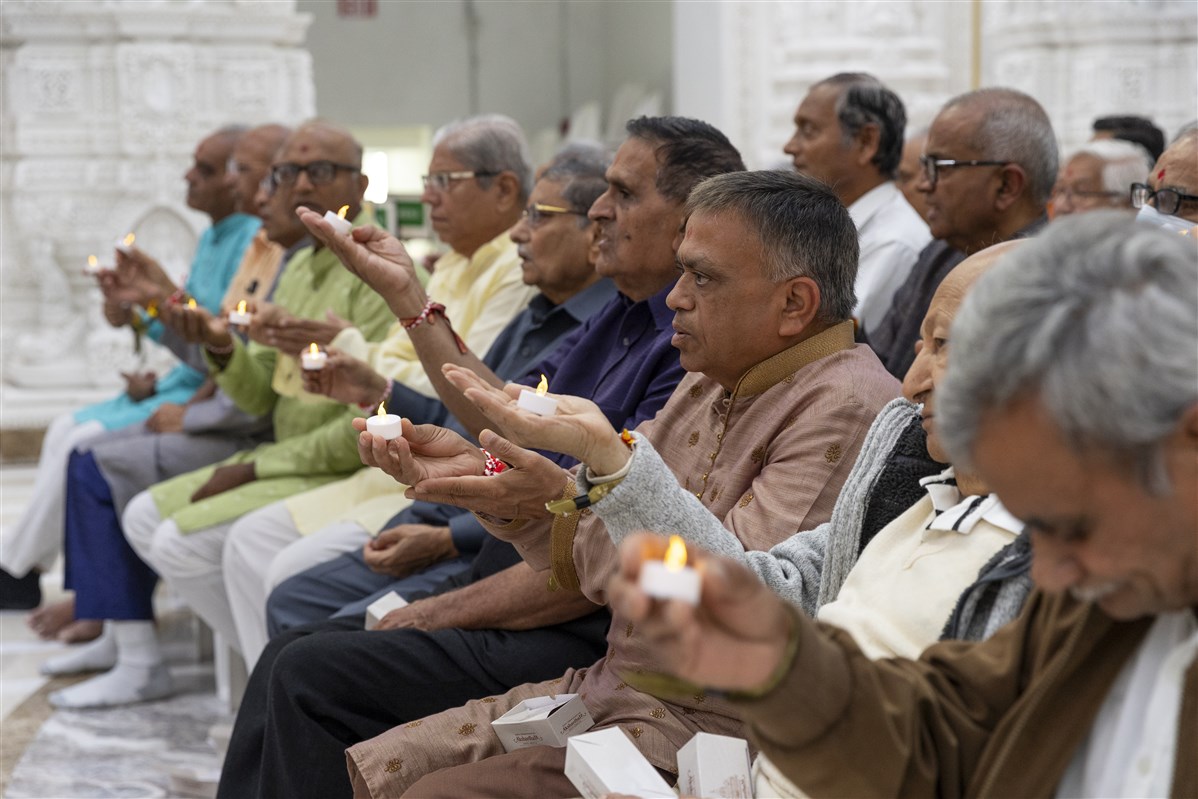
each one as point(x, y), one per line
point(1170, 197)
point(1100, 175)
point(989, 166)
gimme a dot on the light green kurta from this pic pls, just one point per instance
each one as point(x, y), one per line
point(314, 442)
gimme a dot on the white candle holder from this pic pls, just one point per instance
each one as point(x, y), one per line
point(313, 359)
point(387, 425)
point(539, 404)
point(341, 225)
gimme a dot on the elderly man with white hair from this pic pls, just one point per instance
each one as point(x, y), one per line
point(1072, 389)
point(1100, 175)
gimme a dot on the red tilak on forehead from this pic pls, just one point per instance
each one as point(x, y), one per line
point(1160, 175)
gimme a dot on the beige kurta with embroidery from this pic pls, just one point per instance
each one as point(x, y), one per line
point(768, 459)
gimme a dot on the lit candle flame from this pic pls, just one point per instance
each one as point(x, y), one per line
point(344, 210)
point(129, 239)
point(382, 409)
point(241, 307)
point(191, 303)
point(92, 261)
point(675, 553)
point(313, 349)
point(543, 386)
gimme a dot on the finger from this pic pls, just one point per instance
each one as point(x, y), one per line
point(507, 451)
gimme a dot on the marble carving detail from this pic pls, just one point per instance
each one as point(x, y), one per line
point(105, 102)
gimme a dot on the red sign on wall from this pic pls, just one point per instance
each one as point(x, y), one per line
point(357, 8)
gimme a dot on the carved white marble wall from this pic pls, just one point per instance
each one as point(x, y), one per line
point(744, 66)
point(1089, 59)
point(104, 103)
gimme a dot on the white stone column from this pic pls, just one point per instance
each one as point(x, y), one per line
point(104, 104)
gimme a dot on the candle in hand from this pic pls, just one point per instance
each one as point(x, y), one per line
point(240, 316)
point(671, 578)
point(125, 245)
point(93, 266)
point(536, 401)
point(313, 359)
point(341, 225)
point(191, 303)
point(384, 424)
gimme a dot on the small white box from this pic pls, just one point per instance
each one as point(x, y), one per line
point(606, 761)
point(542, 721)
point(380, 607)
point(715, 767)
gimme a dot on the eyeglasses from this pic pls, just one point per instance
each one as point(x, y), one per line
point(1071, 194)
point(441, 181)
point(1167, 200)
point(539, 212)
point(319, 172)
point(932, 166)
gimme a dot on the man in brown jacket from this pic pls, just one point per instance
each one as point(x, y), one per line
point(1072, 389)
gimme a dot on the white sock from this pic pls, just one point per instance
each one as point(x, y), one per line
point(96, 655)
point(139, 674)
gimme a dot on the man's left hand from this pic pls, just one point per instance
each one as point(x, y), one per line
point(416, 616)
point(168, 418)
point(225, 478)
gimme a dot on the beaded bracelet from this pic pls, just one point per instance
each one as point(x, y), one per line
point(429, 314)
point(493, 466)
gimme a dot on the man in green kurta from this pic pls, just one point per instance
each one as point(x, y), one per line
point(179, 526)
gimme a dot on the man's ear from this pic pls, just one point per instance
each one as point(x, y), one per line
point(800, 306)
point(866, 143)
point(363, 182)
point(1012, 186)
point(507, 195)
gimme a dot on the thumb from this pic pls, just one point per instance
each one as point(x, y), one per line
point(505, 450)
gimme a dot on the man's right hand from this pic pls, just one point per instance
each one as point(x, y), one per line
point(167, 418)
point(197, 325)
point(408, 548)
point(140, 385)
point(346, 379)
point(425, 451)
point(735, 638)
point(375, 256)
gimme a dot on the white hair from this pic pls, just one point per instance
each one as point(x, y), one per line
point(491, 143)
point(1096, 319)
point(1123, 163)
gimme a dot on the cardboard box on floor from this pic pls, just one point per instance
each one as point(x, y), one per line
point(542, 721)
point(606, 761)
point(715, 767)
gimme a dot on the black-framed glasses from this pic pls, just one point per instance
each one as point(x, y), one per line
point(1072, 194)
point(319, 172)
point(1167, 201)
point(539, 212)
point(932, 166)
point(441, 181)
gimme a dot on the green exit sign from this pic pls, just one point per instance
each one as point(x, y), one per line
point(409, 213)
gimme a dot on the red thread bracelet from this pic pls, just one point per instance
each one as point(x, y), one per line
point(429, 314)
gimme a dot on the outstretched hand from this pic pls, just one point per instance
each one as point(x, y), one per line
point(519, 492)
point(346, 379)
point(579, 428)
point(375, 256)
point(734, 639)
point(425, 452)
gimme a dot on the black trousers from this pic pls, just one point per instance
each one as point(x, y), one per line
point(321, 688)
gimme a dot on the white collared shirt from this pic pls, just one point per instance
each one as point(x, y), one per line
point(891, 234)
point(1132, 744)
point(905, 585)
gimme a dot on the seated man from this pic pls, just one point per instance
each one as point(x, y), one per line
point(554, 247)
point(495, 627)
point(1169, 199)
point(849, 134)
point(1090, 692)
point(1100, 175)
point(789, 395)
point(38, 534)
point(989, 166)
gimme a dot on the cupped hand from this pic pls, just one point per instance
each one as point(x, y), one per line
point(579, 428)
point(346, 379)
point(424, 452)
point(734, 639)
point(375, 256)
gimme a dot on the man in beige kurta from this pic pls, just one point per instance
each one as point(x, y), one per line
point(765, 445)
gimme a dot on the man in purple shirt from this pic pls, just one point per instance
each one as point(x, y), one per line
point(311, 696)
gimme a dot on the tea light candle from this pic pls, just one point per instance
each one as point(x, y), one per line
point(125, 245)
point(93, 266)
point(240, 316)
point(536, 401)
point(313, 359)
point(384, 424)
point(191, 303)
point(671, 578)
point(341, 225)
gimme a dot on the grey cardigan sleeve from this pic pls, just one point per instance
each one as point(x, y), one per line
point(650, 498)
